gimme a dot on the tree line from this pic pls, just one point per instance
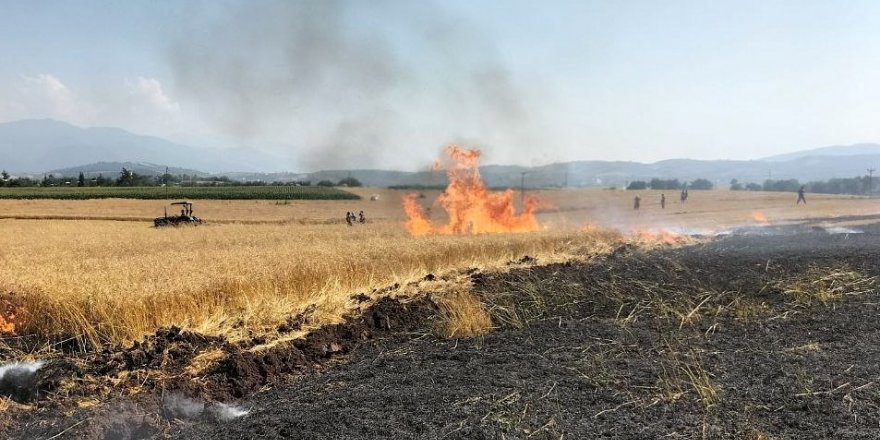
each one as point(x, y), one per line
point(127, 177)
point(862, 185)
point(670, 184)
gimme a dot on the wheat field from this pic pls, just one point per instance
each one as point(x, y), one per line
point(112, 282)
point(257, 262)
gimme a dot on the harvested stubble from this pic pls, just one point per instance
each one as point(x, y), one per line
point(826, 285)
point(117, 281)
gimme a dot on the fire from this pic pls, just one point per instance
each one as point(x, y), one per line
point(7, 326)
point(7, 315)
point(471, 207)
point(659, 237)
point(759, 217)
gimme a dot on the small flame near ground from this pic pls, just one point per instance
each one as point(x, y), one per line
point(8, 311)
point(471, 207)
point(759, 217)
point(659, 237)
point(7, 326)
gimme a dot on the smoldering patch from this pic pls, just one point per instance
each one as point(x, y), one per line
point(841, 230)
point(18, 380)
point(179, 406)
point(224, 412)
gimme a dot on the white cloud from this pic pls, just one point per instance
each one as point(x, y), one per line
point(46, 90)
point(140, 105)
point(151, 92)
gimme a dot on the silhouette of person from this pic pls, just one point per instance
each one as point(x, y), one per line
point(662, 201)
point(801, 197)
point(636, 202)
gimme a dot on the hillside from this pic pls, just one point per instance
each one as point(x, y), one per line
point(48, 146)
point(40, 145)
point(111, 169)
point(865, 149)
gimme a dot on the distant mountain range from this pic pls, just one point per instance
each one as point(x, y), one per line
point(41, 145)
point(49, 146)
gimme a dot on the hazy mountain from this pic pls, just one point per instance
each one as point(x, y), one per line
point(837, 150)
point(38, 145)
point(112, 169)
point(41, 146)
point(606, 174)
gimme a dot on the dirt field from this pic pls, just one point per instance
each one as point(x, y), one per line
point(564, 207)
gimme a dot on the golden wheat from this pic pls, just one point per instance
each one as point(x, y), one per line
point(116, 281)
point(110, 281)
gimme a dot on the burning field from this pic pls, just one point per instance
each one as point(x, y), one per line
point(470, 207)
point(470, 313)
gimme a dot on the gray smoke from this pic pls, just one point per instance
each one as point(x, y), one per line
point(224, 413)
point(18, 380)
point(178, 406)
point(356, 84)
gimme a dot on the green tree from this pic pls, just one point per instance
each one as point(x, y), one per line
point(664, 184)
point(126, 177)
point(735, 185)
point(704, 184)
point(789, 185)
point(637, 184)
point(325, 183)
point(81, 180)
point(350, 181)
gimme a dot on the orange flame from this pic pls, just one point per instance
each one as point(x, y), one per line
point(660, 237)
point(7, 315)
point(7, 326)
point(759, 217)
point(472, 209)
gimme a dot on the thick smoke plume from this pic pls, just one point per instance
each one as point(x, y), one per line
point(354, 84)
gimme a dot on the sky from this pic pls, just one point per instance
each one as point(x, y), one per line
point(388, 83)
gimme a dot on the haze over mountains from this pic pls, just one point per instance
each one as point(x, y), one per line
point(41, 145)
point(50, 146)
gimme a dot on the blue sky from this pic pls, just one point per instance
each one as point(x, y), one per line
point(387, 83)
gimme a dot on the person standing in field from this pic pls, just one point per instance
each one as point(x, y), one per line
point(662, 201)
point(801, 197)
point(636, 202)
point(348, 216)
point(362, 218)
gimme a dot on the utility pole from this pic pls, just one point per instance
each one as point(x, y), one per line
point(522, 190)
point(165, 181)
point(871, 181)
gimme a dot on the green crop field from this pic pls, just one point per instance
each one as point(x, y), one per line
point(180, 192)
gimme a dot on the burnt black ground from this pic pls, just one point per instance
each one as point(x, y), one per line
point(595, 350)
point(578, 370)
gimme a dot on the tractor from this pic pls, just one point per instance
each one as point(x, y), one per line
point(186, 216)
